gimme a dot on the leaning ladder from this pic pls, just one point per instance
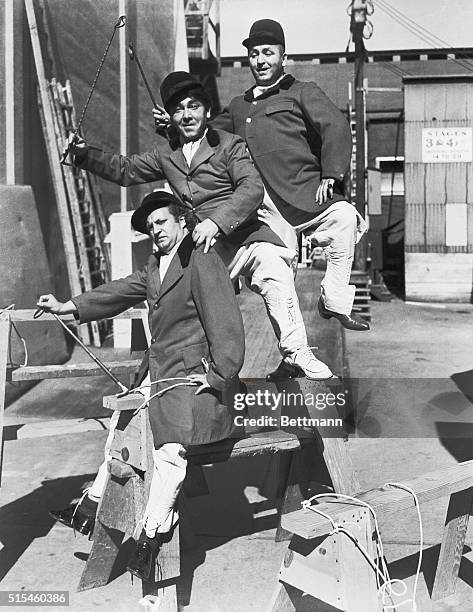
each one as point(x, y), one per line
point(80, 211)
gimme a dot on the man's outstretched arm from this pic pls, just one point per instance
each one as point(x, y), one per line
point(103, 302)
point(121, 169)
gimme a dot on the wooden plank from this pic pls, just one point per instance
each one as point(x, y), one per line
point(129, 402)
point(4, 342)
point(255, 444)
point(51, 148)
point(439, 277)
point(295, 491)
point(129, 438)
point(387, 501)
point(26, 314)
point(71, 369)
point(451, 549)
point(106, 542)
point(55, 428)
point(340, 466)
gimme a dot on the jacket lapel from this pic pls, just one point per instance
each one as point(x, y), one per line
point(203, 153)
point(178, 263)
point(154, 270)
point(178, 159)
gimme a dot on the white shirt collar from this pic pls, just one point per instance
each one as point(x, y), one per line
point(259, 90)
point(189, 148)
point(166, 258)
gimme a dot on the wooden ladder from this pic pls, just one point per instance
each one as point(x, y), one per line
point(81, 218)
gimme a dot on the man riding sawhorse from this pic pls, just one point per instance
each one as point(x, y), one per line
point(197, 335)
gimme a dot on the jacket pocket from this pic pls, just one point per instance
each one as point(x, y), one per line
point(192, 357)
point(279, 106)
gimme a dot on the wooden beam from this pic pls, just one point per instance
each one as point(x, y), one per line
point(9, 50)
point(52, 151)
point(451, 549)
point(124, 62)
point(39, 429)
point(71, 369)
point(427, 487)
point(256, 444)
point(4, 341)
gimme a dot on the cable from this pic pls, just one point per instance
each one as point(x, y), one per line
point(396, 485)
point(419, 31)
point(386, 589)
point(427, 32)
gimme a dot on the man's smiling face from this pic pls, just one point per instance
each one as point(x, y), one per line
point(189, 116)
point(267, 63)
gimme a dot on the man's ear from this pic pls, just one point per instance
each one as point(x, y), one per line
point(284, 59)
point(182, 221)
point(208, 113)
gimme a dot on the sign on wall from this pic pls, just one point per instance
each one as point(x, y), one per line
point(447, 145)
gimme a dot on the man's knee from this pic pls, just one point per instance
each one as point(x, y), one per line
point(268, 254)
point(344, 217)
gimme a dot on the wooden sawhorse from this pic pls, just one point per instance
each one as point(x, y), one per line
point(332, 569)
point(128, 484)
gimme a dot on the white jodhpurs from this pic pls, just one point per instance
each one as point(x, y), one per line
point(268, 270)
point(169, 471)
point(337, 230)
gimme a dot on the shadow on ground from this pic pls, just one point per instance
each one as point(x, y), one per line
point(26, 518)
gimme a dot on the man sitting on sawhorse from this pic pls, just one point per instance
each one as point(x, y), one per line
point(196, 335)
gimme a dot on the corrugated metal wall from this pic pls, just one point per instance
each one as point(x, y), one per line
point(431, 186)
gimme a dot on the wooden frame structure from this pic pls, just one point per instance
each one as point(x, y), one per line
point(126, 491)
point(41, 372)
point(129, 480)
point(319, 564)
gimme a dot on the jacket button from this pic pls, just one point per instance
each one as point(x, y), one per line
point(153, 340)
point(248, 120)
point(255, 102)
point(155, 307)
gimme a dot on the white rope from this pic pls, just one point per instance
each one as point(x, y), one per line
point(387, 587)
point(189, 383)
point(22, 340)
